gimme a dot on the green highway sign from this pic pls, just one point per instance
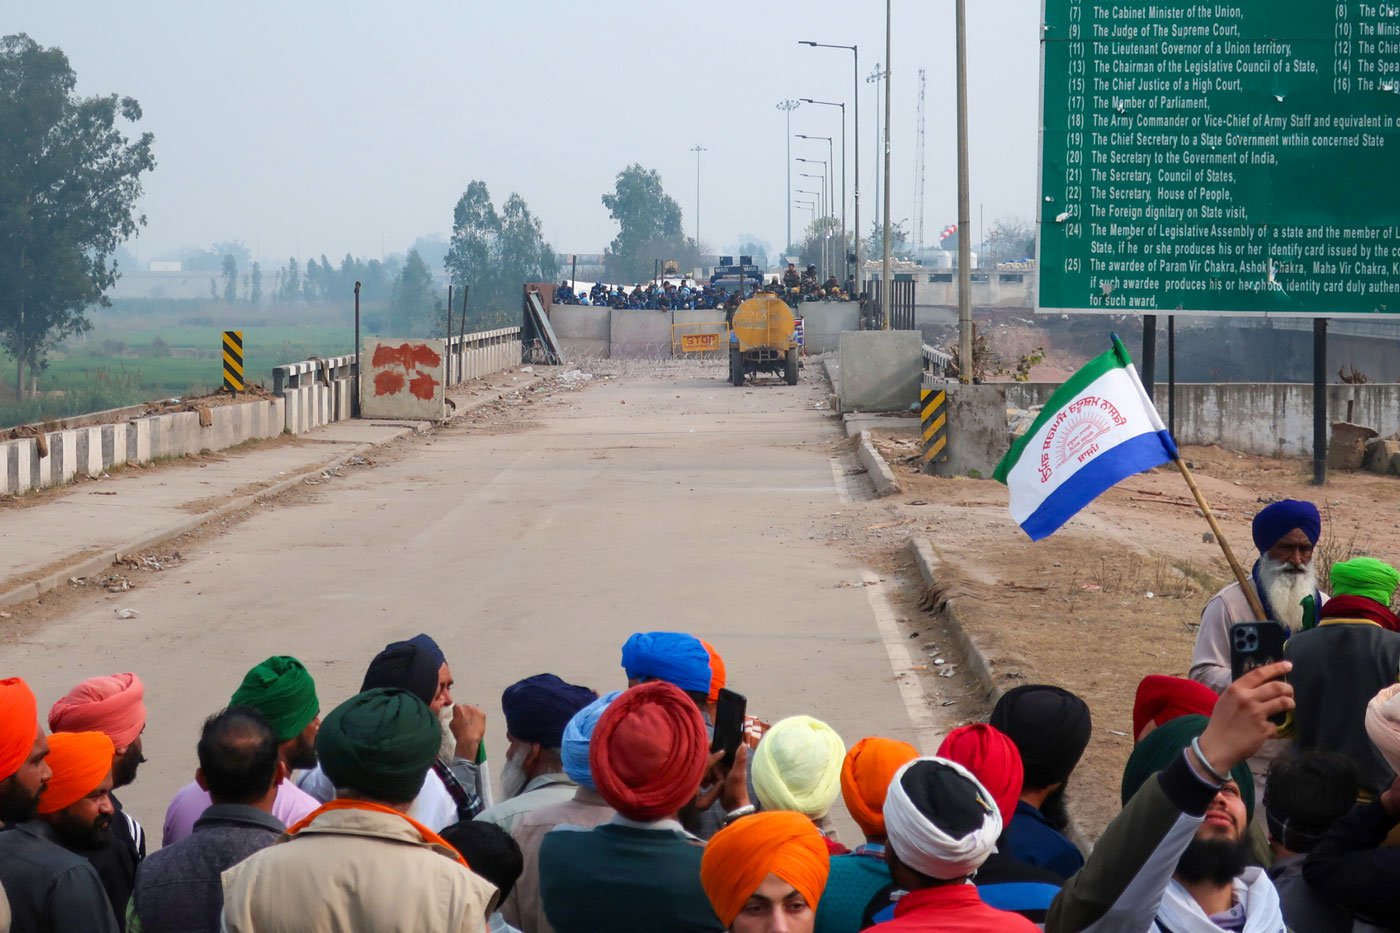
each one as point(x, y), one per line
point(1220, 158)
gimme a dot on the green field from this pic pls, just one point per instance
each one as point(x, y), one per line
point(129, 358)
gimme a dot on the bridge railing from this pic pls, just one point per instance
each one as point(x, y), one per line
point(937, 365)
point(320, 391)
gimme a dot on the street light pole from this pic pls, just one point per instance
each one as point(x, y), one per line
point(855, 99)
point(886, 279)
point(697, 149)
point(825, 176)
point(788, 106)
point(831, 192)
point(845, 254)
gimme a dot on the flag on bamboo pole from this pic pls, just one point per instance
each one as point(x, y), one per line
point(1098, 429)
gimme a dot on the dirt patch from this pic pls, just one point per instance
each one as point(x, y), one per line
point(1117, 593)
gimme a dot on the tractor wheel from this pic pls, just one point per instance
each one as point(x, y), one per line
point(790, 370)
point(736, 367)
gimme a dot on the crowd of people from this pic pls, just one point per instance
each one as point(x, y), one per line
point(617, 813)
point(685, 295)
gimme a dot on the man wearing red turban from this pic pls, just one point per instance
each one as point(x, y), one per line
point(1002, 881)
point(642, 870)
point(115, 706)
point(1160, 699)
point(765, 868)
point(50, 886)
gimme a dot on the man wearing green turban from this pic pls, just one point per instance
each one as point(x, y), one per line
point(1352, 654)
point(283, 691)
point(360, 862)
point(1177, 857)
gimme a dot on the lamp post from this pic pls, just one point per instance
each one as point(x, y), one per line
point(886, 278)
point(697, 149)
point(815, 194)
point(788, 106)
point(855, 99)
point(875, 77)
point(830, 195)
point(826, 174)
point(845, 254)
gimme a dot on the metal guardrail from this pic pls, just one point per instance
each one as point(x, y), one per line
point(290, 376)
point(936, 366)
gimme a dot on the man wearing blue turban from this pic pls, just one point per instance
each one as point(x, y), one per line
point(1285, 533)
point(536, 709)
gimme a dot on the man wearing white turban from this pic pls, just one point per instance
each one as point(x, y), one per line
point(942, 825)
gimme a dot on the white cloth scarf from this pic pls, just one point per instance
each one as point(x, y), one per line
point(1180, 913)
point(927, 849)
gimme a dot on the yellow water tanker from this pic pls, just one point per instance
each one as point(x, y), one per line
point(763, 339)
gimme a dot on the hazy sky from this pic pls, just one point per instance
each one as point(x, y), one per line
point(326, 127)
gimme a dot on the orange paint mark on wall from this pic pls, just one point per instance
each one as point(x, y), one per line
point(388, 383)
point(409, 356)
point(423, 386)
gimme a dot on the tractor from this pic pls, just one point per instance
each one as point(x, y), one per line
point(763, 339)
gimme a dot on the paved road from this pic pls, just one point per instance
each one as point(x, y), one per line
point(651, 501)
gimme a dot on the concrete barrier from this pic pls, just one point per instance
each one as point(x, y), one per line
point(1267, 419)
point(880, 370)
point(977, 438)
point(639, 335)
point(92, 450)
point(824, 321)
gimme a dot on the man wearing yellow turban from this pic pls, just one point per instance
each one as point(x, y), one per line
point(766, 872)
point(797, 767)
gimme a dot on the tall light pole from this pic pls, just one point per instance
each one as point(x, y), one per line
point(845, 253)
point(855, 98)
point(697, 149)
point(964, 209)
point(875, 77)
point(830, 199)
point(788, 106)
point(820, 195)
point(886, 278)
point(826, 174)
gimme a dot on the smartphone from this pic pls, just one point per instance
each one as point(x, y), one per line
point(730, 710)
point(1256, 644)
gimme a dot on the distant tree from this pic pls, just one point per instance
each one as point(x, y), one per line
point(69, 182)
point(255, 291)
point(230, 274)
point(472, 253)
point(1010, 239)
point(808, 250)
point(750, 245)
point(291, 281)
point(412, 308)
point(649, 225)
point(524, 255)
point(875, 245)
point(213, 289)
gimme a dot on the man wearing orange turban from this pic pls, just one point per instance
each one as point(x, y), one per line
point(49, 883)
point(857, 878)
point(642, 870)
point(1002, 881)
point(114, 705)
point(765, 868)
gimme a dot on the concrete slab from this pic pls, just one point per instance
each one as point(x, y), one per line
point(880, 370)
point(889, 424)
point(977, 430)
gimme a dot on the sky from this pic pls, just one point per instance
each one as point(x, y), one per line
point(320, 127)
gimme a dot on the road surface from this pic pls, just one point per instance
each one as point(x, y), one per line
point(660, 499)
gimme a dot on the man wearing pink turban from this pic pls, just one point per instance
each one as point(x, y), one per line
point(115, 706)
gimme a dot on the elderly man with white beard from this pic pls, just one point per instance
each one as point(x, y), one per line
point(1285, 532)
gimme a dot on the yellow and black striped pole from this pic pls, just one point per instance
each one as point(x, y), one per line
point(233, 361)
point(933, 424)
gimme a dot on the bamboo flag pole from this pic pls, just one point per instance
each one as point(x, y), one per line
point(1246, 584)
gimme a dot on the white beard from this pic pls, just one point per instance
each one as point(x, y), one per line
point(448, 750)
point(1286, 591)
point(513, 778)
